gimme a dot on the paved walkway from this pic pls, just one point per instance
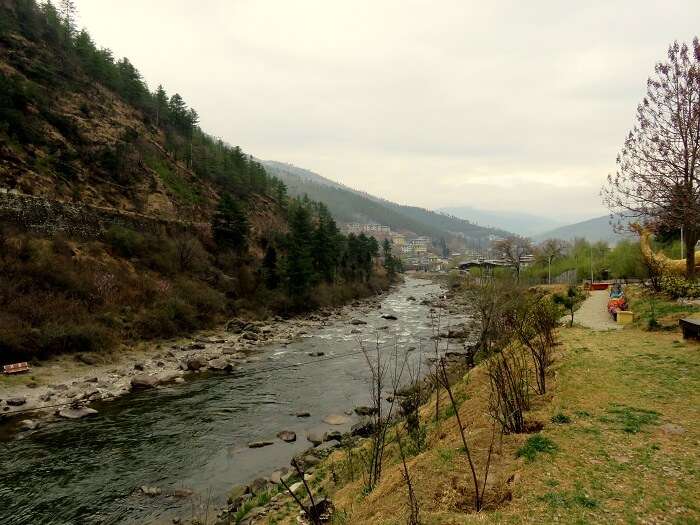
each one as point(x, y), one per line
point(594, 314)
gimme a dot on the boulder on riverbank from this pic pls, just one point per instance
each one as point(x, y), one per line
point(195, 363)
point(220, 365)
point(143, 381)
point(76, 413)
point(365, 411)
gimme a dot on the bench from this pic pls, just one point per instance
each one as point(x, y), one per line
point(16, 368)
point(690, 327)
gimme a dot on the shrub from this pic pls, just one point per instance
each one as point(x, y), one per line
point(166, 318)
point(677, 286)
point(57, 338)
point(205, 300)
point(125, 242)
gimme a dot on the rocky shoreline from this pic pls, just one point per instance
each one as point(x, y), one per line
point(85, 380)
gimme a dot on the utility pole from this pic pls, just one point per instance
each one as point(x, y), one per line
point(682, 244)
point(591, 264)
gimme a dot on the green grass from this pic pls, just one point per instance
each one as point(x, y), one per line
point(631, 419)
point(258, 501)
point(560, 419)
point(535, 445)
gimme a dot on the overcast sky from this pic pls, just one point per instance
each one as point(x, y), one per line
point(433, 103)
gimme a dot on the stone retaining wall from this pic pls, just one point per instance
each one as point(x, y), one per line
point(50, 217)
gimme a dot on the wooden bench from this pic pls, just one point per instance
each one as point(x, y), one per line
point(690, 327)
point(16, 368)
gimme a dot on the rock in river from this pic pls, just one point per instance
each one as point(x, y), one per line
point(335, 419)
point(150, 491)
point(77, 413)
point(357, 322)
point(287, 435)
point(260, 444)
point(315, 436)
point(389, 317)
point(16, 401)
point(143, 381)
point(28, 424)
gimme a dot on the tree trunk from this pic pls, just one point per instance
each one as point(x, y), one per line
point(690, 240)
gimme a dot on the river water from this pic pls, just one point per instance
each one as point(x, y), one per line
point(195, 435)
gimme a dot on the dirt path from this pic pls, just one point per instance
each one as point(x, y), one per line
point(593, 313)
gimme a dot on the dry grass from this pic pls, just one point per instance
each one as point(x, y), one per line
point(615, 460)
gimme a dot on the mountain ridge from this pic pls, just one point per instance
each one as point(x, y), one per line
point(350, 205)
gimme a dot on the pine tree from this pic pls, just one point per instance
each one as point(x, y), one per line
point(325, 250)
point(68, 14)
point(269, 268)
point(389, 261)
point(299, 263)
point(229, 224)
point(161, 103)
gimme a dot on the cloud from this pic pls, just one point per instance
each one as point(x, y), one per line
point(502, 104)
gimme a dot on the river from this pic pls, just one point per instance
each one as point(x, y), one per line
point(195, 435)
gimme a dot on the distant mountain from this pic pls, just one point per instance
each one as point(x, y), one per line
point(598, 229)
point(349, 205)
point(520, 223)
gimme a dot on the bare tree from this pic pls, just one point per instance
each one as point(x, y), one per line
point(513, 249)
point(381, 418)
point(658, 169)
point(536, 324)
point(510, 391)
point(413, 517)
point(549, 250)
point(493, 300)
point(479, 484)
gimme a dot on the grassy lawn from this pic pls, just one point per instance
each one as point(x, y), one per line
point(665, 310)
point(620, 444)
point(630, 452)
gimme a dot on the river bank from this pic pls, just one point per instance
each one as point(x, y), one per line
point(66, 386)
point(189, 442)
point(614, 439)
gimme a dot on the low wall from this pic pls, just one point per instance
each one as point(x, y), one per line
point(50, 217)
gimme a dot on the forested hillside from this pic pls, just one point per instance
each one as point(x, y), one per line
point(79, 127)
point(348, 205)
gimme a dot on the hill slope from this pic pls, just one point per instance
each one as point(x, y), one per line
point(125, 221)
point(597, 229)
point(348, 205)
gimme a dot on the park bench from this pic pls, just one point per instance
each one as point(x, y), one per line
point(690, 327)
point(16, 368)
